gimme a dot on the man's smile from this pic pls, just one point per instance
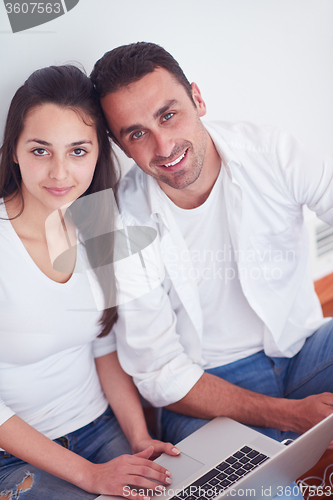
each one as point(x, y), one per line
point(176, 161)
point(174, 165)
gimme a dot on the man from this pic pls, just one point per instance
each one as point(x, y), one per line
point(235, 329)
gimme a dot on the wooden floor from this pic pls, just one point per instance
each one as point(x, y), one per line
point(317, 483)
point(324, 289)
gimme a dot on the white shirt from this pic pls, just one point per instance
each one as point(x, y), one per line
point(267, 178)
point(232, 329)
point(48, 343)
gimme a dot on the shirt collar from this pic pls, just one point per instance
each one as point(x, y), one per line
point(156, 197)
point(227, 155)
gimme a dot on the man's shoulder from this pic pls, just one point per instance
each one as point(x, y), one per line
point(131, 181)
point(244, 135)
point(133, 193)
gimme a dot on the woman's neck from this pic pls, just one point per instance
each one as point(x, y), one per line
point(28, 222)
point(45, 236)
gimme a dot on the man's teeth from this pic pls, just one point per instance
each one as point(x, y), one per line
point(176, 161)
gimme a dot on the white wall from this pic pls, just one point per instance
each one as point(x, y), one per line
point(268, 61)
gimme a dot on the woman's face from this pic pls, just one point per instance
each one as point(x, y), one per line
point(57, 153)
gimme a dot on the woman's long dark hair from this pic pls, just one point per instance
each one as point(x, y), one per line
point(67, 86)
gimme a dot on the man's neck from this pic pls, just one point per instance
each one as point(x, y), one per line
point(197, 193)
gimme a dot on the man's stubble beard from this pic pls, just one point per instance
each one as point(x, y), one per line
point(181, 179)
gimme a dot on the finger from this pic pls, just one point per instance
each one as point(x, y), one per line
point(160, 447)
point(162, 476)
point(170, 449)
point(144, 485)
point(149, 465)
point(132, 465)
point(145, 453)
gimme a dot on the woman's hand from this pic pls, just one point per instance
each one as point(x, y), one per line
point(159, 447)
point(114, 477)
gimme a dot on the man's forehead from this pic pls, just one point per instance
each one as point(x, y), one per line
point(153, 83)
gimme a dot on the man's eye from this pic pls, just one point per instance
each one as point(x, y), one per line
point(168, 116)
point(39, 152)
point(137, 134)
point(79, 152)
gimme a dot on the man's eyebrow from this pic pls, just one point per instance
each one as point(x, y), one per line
point(71, 145)
point(165, 108)
point(159, 112)
point(131, 128)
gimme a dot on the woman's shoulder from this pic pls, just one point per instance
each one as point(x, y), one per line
point(4, 221)
point(7, 233)
point(2, 207)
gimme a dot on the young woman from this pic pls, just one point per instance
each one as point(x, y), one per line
point(59, 438)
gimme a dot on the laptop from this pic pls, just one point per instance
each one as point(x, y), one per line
point(227, 459)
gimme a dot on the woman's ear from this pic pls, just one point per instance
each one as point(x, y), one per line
point(197, 97)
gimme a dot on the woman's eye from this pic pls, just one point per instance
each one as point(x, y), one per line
point(39, 152)
point(79, 152)
point(137, 134)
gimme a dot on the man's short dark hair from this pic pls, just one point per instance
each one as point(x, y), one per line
point(129, 63)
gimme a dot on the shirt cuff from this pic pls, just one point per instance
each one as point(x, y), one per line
point(5, 412)
point(104, 345)
point(173, 382)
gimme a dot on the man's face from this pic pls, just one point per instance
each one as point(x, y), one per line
point(156, 123)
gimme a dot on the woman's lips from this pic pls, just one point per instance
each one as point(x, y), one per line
point(59, 191)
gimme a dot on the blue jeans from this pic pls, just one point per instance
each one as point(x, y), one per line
point(309, 372)
point(100, 441)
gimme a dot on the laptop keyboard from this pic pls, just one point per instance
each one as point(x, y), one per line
point(223, 475)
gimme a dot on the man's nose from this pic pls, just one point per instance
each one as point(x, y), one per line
point(164, 145)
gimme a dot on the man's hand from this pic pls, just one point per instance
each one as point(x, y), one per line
point(113, 477)
point(309, 411)
point(212, 397)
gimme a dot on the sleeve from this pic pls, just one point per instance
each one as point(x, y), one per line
point(5, 412)
point(150, 349)
point(307, 174)
point(104, 345)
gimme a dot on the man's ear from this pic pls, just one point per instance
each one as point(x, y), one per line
point(197, 97)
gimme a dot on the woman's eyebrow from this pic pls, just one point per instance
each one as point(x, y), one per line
point(78, 143)
point(72, 144)
point(44, 143)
